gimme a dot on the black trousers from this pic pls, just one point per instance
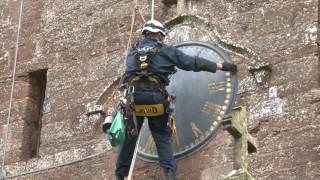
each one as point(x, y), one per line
point(161, 134)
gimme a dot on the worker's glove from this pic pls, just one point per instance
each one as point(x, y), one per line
point(229, 67)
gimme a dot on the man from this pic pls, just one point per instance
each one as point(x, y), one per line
point(151, 58)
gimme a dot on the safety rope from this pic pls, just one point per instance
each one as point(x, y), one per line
point(129, 43)
point(12, 89)
point(133, 16)
point(143, 19)
point(135, 9)
point(152, 10)
point(135, 153)
point(138, 140)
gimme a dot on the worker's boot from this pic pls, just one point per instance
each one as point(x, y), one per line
point(169, 174)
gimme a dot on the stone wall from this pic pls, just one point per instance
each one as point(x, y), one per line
point(80, 45)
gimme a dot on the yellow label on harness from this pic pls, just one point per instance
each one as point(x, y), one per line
point(150, 110)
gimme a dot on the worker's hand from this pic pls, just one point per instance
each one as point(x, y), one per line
point(229, 67)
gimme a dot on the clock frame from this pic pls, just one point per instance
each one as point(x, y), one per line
point(202, 100)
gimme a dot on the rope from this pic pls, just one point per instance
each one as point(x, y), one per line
point(13, 85)
point(143, 19)
point(152, 10)
point(135, 154)
point(12, 89)
point(133, 17)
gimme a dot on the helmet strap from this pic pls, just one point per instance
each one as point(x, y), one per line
point(160, 37)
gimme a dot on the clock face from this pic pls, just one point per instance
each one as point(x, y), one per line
point(202, 100)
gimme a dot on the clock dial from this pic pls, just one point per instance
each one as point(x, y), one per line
point(202, 100)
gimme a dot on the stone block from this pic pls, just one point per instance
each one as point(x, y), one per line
point(83, 44)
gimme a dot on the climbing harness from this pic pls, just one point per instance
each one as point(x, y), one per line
point(133, 131)
point(144, 55)
point(114, 133)
point(131, 108)
point(144, 80)
point(150, 77)
point(154, 90)
point(149, 110)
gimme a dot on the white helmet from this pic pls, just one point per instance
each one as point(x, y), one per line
point(154, 26)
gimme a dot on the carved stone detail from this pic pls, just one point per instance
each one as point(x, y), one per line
point(260, 69)
point(244, 143)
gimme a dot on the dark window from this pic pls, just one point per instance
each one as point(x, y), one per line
point(34, 108)
point(169, 2)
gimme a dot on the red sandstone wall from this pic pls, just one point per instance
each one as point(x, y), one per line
point(82, 43)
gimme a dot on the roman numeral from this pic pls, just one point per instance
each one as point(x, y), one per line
point(216, 86)
point(196, 131)
point(213, 109)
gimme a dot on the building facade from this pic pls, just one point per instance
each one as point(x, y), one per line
point(69, 57)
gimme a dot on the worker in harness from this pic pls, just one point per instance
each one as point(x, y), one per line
point(149, 65)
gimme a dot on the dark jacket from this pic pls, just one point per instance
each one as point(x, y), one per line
point(165, 60)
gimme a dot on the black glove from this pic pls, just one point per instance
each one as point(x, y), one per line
point(229, 67)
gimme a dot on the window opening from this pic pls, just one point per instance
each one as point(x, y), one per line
point(33, 116)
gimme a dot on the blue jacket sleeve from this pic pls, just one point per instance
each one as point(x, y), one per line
point(188, 63)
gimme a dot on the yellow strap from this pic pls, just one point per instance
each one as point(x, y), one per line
point(150, 77)
point(149, 110)
point(153, 79)
point(173, 124)
point(135, 78)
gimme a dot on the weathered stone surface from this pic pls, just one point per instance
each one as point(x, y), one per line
point(214, 161)
point(83, 45)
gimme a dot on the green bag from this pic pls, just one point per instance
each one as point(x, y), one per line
point(117, 132)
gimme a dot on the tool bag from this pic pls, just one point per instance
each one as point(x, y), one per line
point(117, 132)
